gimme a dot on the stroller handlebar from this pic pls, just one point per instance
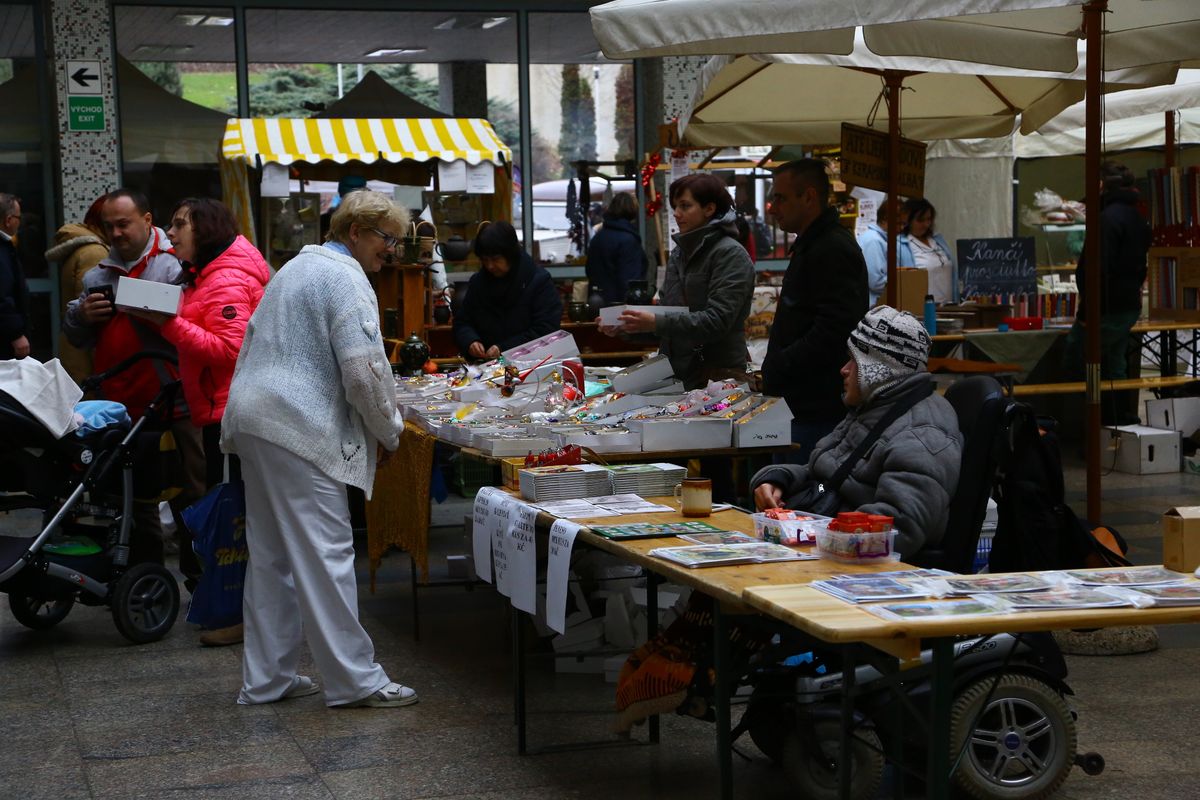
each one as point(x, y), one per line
point(93, 382)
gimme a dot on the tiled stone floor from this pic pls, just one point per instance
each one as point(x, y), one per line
point(85, 715)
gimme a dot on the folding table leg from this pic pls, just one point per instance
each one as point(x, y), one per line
point(939, 720)
point(651, 631)
point(721, 698)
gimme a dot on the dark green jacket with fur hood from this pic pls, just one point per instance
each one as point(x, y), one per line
point(711, 274)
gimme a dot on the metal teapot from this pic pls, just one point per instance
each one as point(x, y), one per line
point(413, 354)
point(456, 248)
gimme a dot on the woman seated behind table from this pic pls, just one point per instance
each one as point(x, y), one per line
point(615, 255)
point(311, 407)
point(920, 246)
point(911, 472)
point(509, 301)
point(712, 275)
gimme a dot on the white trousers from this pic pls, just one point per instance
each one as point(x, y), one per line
point(300, 581)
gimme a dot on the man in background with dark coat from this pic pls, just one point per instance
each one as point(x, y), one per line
point(14, 295)
point(823, 297)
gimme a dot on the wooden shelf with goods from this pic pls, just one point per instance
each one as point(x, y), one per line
point(1174, 283)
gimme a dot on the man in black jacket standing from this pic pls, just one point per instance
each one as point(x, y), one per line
point(14, 296)
point(823, 297)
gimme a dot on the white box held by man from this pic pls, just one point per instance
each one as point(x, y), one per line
point(611, 315)
point(143, 295)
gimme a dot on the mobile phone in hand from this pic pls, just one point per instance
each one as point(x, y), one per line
point(107, 291)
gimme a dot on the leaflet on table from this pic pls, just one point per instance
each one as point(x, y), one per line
point(574, 509)
point(611, 315)
point(650, 530)
point(718, 537)
point(558, 571)
point(953, 608)
point(990, 584)
point(1127, 576)
point(1172, 594)
point(714, 555)
point(522, 559)
point(1065, 598)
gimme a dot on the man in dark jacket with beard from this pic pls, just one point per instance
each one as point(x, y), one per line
point(1124, 242)
point(824, 295)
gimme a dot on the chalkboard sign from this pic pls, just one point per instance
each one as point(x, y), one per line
point(989, 267)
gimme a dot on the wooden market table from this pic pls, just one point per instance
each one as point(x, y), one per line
point(845, 624)
point(728, 586)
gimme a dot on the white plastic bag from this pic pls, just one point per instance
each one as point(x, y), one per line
point(45, 390)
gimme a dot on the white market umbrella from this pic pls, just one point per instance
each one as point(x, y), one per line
point(786, 99)
point(1029, 34)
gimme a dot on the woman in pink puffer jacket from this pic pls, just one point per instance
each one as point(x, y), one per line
point(225, 279)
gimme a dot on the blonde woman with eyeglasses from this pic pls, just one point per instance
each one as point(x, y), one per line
point(312, 404)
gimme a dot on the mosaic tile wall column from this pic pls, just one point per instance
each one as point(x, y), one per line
point(88, 160)
point(680, 74)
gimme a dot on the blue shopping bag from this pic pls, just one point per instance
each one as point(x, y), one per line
point(218, 525)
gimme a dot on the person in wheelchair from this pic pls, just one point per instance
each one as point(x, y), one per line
point(911, 470)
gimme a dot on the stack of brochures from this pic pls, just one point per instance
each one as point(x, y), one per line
point(563, 482)
point(648, 480)
point(878, 586)
point(651, 530)
point(720, 555)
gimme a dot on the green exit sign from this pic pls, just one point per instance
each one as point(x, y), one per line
point(85, 113)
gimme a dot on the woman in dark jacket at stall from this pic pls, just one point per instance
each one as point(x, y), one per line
point(509, 301)
point(711, 274)
point(615, 255)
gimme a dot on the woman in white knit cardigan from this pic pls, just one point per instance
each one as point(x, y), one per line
point(312, 403)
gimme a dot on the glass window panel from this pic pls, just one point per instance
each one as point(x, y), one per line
point(21, 134)
point(582, 108)
point(177, 82)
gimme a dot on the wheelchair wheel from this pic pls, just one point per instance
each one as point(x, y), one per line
point(814, 769)
point(1020, 747)
point(145, 603)
point(38, 614)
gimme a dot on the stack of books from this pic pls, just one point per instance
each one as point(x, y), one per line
point(647, 480)
point(563, 482)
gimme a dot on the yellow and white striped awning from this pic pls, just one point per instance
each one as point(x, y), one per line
point(283, 141)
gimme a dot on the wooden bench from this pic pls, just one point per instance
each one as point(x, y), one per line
point(1078, 387)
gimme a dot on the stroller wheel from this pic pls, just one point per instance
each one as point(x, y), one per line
point(145, 602)
point(1020, 747)
point(39, 614)
point(813, 764)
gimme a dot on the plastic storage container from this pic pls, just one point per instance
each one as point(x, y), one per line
point(789, 531)
point(860, 547)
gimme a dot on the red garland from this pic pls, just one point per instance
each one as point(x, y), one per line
point(654, 203)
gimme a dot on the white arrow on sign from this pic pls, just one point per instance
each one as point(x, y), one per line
point(84, 77)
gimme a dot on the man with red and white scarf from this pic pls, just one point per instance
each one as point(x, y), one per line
point(139, 250)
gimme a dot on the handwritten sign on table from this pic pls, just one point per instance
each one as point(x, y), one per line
point(989, 267)
point(558, 569)
point(522, 559)
point(481, 531)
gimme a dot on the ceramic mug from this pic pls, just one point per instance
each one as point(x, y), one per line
point(694, 496)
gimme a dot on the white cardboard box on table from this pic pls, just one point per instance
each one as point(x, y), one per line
point(633, 379)
point(768, 424)
point(556, 345)
point(682, 433)
point(164, 298)
point(1140, 450)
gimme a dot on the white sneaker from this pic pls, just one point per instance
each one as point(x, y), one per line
point(391, 696)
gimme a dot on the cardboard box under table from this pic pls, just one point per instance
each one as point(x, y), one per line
point(1140, 450)
point(1181, 538)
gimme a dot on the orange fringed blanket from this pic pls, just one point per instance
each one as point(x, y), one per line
point(398, 512)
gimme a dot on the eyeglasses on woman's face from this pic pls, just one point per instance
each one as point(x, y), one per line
point(389, 241)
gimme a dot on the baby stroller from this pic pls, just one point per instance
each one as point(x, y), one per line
point(85, 487)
